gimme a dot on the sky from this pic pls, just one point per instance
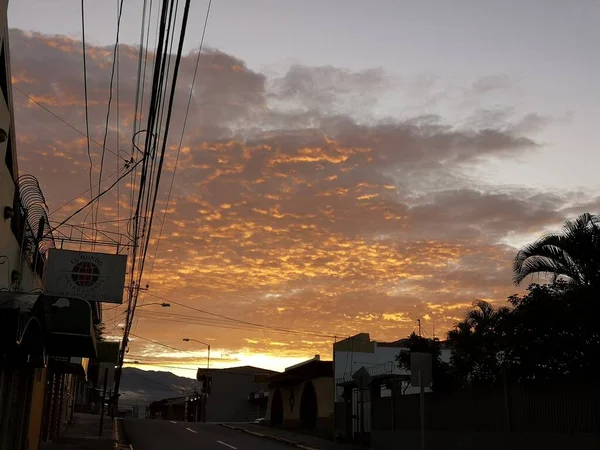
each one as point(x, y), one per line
point(347, 166)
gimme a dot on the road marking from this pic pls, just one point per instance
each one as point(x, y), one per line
point(189, 429)
point(227, 445)
point(172, 421)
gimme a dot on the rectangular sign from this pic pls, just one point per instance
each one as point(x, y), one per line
point(97, 277)
point(420, 369)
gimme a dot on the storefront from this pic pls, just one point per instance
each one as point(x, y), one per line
point(34, 329)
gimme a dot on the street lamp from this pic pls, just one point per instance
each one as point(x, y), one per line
point(163, 304)
point(203, 343)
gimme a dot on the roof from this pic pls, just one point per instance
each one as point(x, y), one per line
point(310, 370)
point(244, 370)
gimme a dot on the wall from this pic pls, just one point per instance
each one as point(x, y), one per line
point(357, 351)
point(228, 401)
point(324, 388)
point(291, 416)
point(37, 408)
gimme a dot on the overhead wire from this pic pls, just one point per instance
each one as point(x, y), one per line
point(56, 116)
point(151, 139)
point(84, 192)
point(132, 295)
point(158, 133)
point(85, 93)
point(244, 322)
point(118, 123)
point(161, 344)
point(165, 136)
point(110, 96)
point(179, 147)
point(94, 198)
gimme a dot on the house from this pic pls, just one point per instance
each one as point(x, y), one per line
point(235, 394)
point(302, 397)
point(175, 408)
point(378, 360)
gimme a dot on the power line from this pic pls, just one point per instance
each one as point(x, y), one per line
point(180, 142)
point(83, 193)
point(118, 128)
point(161, 344)
point(56, 116)
point(94, 199)
point(110, 96)
point(207, 323)
point(187, 111)
point(222, 316)
point(164, 138)
point(85, 93)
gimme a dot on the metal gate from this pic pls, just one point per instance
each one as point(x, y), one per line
point(361, 414)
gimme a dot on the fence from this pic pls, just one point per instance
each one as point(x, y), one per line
point(540, 409)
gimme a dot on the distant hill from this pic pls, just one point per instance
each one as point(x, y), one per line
point(141, 387)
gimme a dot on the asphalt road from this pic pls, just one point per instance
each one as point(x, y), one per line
point(166, 435)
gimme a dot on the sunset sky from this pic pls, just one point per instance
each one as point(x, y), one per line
point(347, 166)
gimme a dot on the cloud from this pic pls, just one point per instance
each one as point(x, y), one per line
point(289, 208)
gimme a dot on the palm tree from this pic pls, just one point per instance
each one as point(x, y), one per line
point(476, 342)
point(572, 255)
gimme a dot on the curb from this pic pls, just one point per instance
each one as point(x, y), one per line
point(117, 437)
point(269, 436)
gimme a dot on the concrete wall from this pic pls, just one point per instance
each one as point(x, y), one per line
point(228, 401)
point(437, 440)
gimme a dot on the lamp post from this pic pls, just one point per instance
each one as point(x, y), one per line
point(203, 343)
point(207, 367)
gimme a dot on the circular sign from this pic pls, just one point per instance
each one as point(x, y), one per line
point(85, 274)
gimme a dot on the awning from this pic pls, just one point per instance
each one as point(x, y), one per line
point(70, 364)
point(22, 330)
point(33, 326)
point(71, 328)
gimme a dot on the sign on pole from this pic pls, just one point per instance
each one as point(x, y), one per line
point(97, 277)
point(420, 362)
point(420, 375)
point(362, 377)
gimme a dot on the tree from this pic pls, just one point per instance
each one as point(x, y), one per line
point(441, 374)
point(547, 335)
point(573, 255)
point(554, 335)
point(479, 345)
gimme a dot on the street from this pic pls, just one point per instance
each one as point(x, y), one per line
point(164, 434)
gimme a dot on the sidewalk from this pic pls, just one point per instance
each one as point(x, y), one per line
point(295, 439)
point(82, 434)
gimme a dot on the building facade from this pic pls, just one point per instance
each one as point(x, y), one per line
point(378, 360)
point(237, 394)
point(44, 340)
point(302, 397)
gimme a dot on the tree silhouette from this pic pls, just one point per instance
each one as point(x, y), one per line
point(478, 345)
point(441, 373)
point(572, 255)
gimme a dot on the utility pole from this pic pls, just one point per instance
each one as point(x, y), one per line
point(419, 321)
point(103, 401)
